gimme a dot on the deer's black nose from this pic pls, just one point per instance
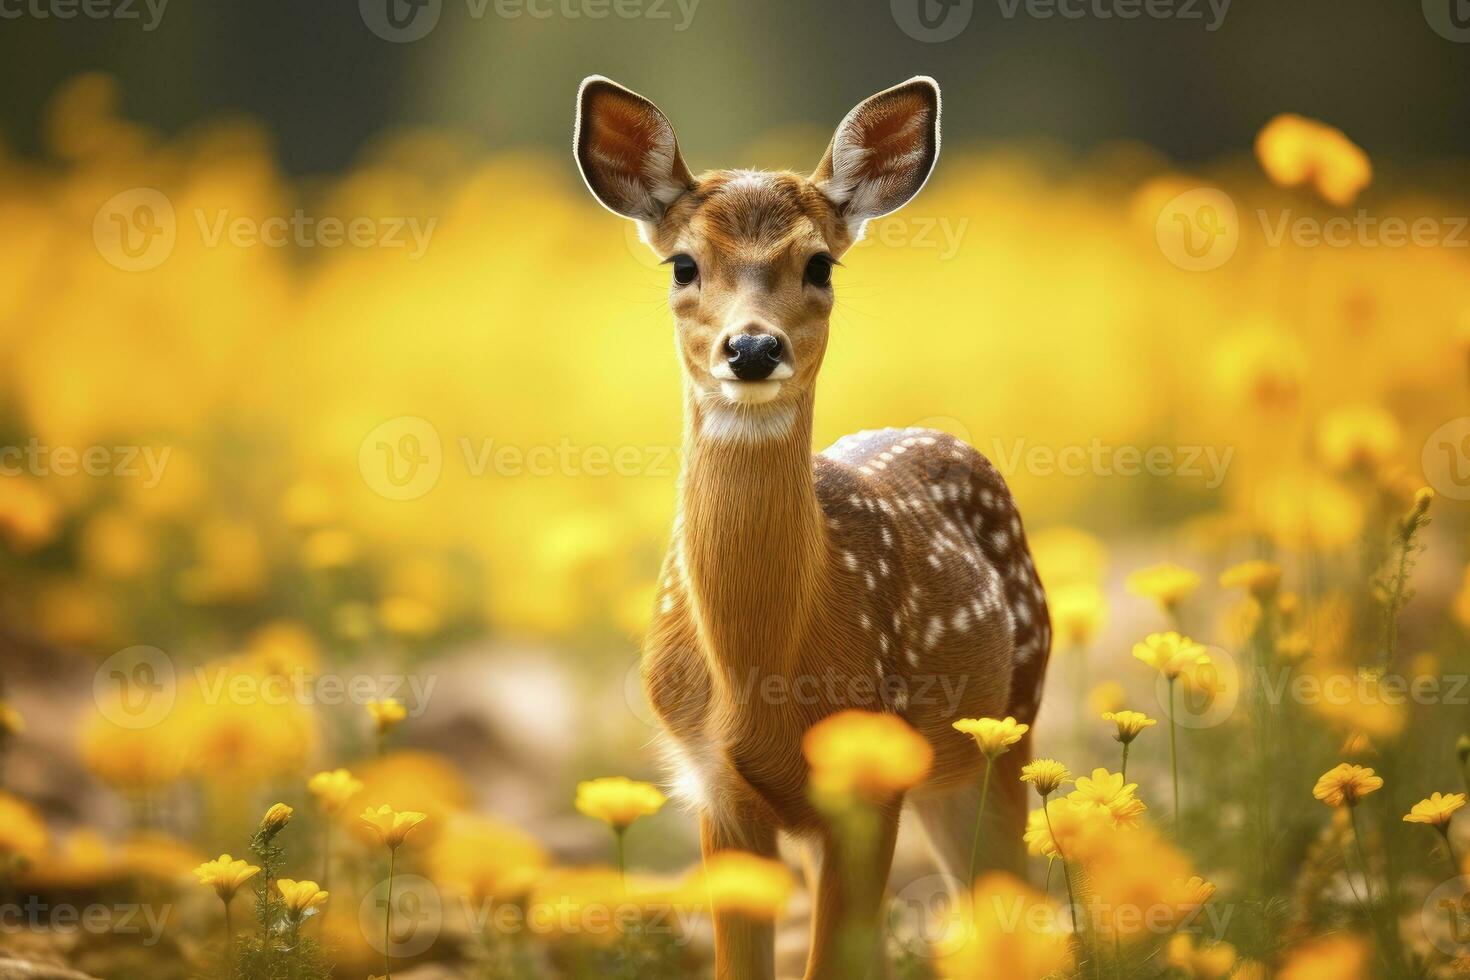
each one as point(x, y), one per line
point(753, 356)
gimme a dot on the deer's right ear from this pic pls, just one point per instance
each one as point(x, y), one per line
point(627, 151)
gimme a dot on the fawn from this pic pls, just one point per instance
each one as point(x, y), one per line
point(891, 560)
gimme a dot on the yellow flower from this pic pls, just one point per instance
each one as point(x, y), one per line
point(993, 736)
point(1296, 151)
point(334, 788)
point(1170, 654)
point(745, 884)
point(11, 722)
point(1259, 578)
point(1011, 931)
point(275, 818)
point(874, 756)
point(1346, 784)
point(301, 897)
point(1341, 957)
point(225, 875)
point(1077, 612)
point(386, 714)
point(1437, 810)
point(1294, 647)
point(1214, 962)
point(392, 826)
point(1109, 791)
point(486, 859)
point(1360, 438)
point(1046, 775)
point(1130, 724)
point(1166, 583)
point(1107, 696)
point(23, 834)
point(618, 800)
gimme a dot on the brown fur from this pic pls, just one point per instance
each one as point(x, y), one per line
point(889, 573)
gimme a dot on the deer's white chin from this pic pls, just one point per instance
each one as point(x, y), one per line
point(750, 392)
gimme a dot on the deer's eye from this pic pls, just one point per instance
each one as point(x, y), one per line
point(819, 271)
point(685, 269)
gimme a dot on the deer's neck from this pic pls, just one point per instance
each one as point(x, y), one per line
point(751, 534)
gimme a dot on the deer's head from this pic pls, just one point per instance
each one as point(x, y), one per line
point(751, 253)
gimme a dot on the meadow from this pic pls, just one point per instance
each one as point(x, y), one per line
point(331, 509)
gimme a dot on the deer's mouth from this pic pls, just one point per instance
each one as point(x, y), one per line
point(750, 392)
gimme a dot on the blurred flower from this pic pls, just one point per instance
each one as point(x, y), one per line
point(1305, 510)
point(386, 714)
point(1214, 962)
point(22, 832)
point(391, 826)
point(11, 722)
point(1107, 696)
point(420, 781)
point(29, 517)
point(1261, 366)
point(156, 856)
point(407, 616)
point(618, 800)
point(1361, 438)
point(993, 736)
point(307, 504)
point(485, 859)
point(329, 548)
point(1437, 810)
point(230, 564)
point(1341, 957)
point(116, 545)
point(301, 897)
point(744, 884)
point(1130, 724)
point(1010, 931)
point(1293, 647)
point(333, 789)
point(1260, 578)
point(873, 756)
point(1165, 583)
point(1296, 151)
point(225, 875)
point(1170, 653)
point(1046, 775)
point(1077, 613)
point(1346, 784)
point(1068, 556)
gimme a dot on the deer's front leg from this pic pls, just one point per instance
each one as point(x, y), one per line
point(744, 949)
point(852, 879)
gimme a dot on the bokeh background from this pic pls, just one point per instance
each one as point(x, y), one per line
point(438, 461)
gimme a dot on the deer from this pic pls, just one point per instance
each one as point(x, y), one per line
point(894, 558)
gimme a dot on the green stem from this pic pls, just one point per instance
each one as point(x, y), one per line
point(229, 929)
point(388, 919)
point(326, 853)
point(980, 820)
point(1124, 770)
point(1174, 756)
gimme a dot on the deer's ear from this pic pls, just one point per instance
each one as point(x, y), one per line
point(883, 152)
point(627, 151)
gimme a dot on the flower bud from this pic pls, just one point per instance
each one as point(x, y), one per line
point(275, 818)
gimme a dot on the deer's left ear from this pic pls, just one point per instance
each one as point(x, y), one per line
point(627, 151)
point(883, 152)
